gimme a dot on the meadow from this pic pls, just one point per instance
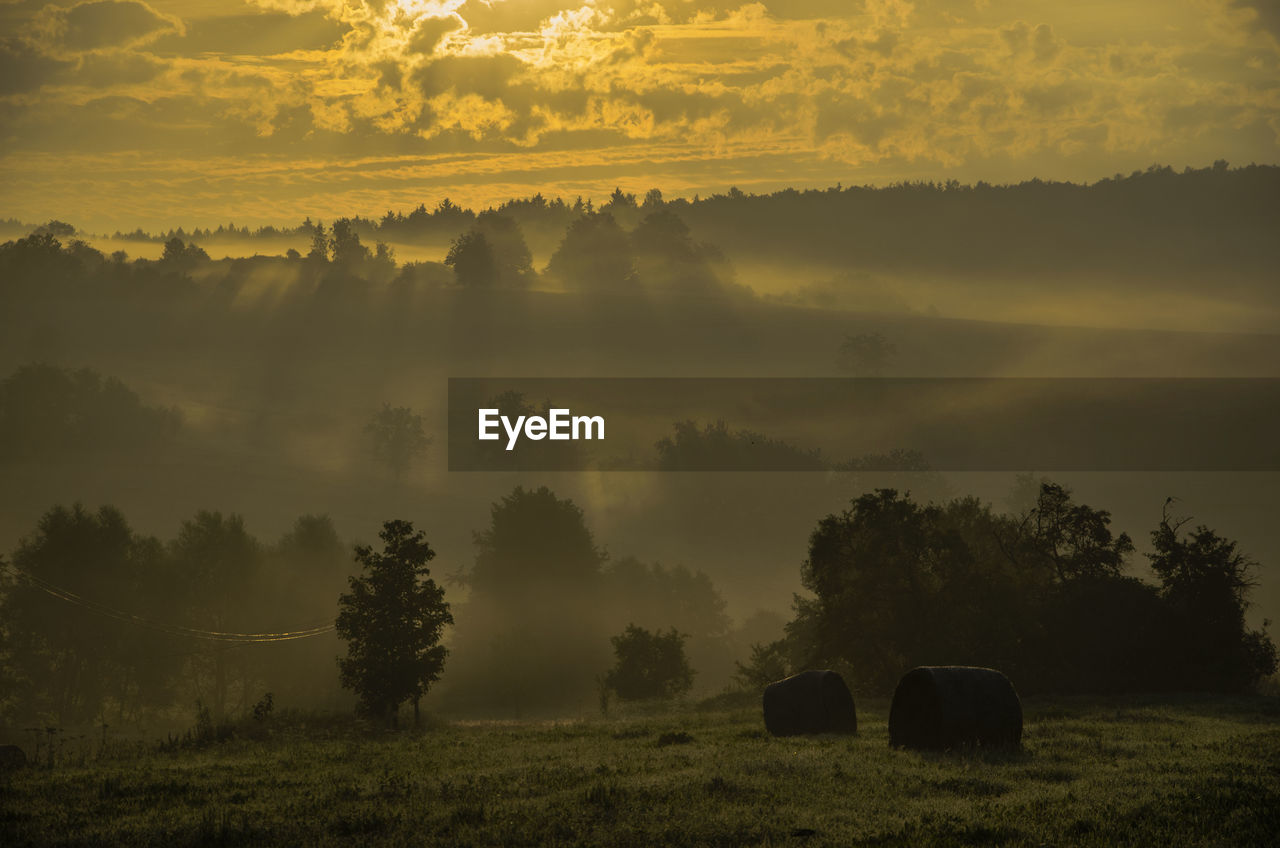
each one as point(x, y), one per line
point(1177, 770)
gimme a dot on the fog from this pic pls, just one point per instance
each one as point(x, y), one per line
point(270, 368)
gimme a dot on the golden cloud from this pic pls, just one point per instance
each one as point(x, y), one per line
point(882, 86)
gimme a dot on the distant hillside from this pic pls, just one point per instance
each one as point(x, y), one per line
point(1149, 224)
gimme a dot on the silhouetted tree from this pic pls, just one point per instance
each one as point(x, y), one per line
point(383, 266)
point(319, 244)
point(471, 258)
point(1206, 581)
point(1073, 539)
point(668, 257)
point(649, 665)
point(769, 661)
point(534, 627)
point(345, 247)
point(67, 655)
point(653, 595)
point(392, 620)
point(512, 261)
point(183, 256)
point(595, 254)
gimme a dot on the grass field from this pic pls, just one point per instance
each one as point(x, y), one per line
point(1133, 771)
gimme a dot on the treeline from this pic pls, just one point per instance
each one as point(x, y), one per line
point(101, 623)
point(104, 624)
point(595, 254)
point(1151, 222)
point(46, 411)
point(1151, 225)
point(1047, 596)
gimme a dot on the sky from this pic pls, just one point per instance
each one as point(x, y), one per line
point(116, 114)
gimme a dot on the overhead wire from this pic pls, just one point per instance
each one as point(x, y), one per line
point(166, 627)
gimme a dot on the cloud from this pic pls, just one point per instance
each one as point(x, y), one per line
point(101, 24)
point(1266, 14)
point(24, 68)
point(722, 92)
point(254, 34)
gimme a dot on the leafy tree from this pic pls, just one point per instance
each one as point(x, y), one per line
point(668, 257)
point(769, 662)
point(595, 254)
point(471, 258)
point(181, 255)
point(397, 438)
point(384, 261)
point(345, 247)
point(56, 228)
point(319, 244)
point(68, 657)
point(652, 201)
point(1073, 539)
point(534, 625)
point(512, 261)
point(653, 595)
point(392, 621)
point(536, 547)
point(649, 665)
point(1206, 581)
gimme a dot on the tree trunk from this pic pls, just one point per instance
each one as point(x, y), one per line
point(416, 721)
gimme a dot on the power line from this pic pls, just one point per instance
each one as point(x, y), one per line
point(165, 627)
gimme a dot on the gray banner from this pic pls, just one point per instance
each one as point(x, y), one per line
point(833, 424)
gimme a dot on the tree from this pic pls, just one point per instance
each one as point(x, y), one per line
point(1073, 539)
point(471, 258)
point(534, 627)
point(653, 595)
point(319, 252)
point(392, 621)
point(68, 657)
point(668, 257)
point(1206, 581)
point(345, 247)
point(595, 254)
point(649, 665)
point(397, 438)
point(384, 261)
point(183, 256)
point(769, 662)
point(512, 260)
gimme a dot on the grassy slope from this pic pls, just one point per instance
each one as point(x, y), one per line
point(1187, 771)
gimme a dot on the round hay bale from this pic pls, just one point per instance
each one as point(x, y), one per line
point(809, 702)
point(942, 707)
